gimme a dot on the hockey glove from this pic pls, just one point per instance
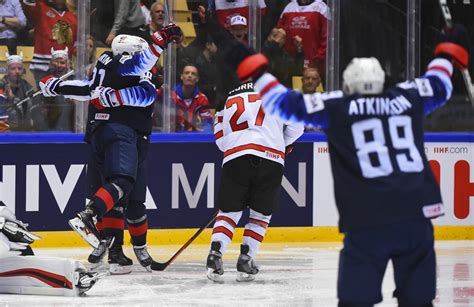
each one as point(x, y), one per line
point(16, 232)
point(10, 249)
point(49, 85)
point(9, 216)
point(169, 34)
point(453, 52)
point(252, 67)
point(146, 77)
point(104, 97)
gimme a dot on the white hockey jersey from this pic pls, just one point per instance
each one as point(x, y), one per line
point(242, 128)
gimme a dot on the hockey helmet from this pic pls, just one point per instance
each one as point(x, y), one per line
point(130, 44)
point(363, 76)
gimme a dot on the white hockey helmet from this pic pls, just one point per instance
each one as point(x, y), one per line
point(363, 76)
point(130, 44)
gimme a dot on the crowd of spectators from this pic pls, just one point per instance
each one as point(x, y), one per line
point(293, 37)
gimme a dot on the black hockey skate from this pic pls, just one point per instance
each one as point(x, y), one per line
point(99, 253)
point(246, 268)
point(84, 280)
point(84, 225)
point(143, 257)
point(119, 263)
point(214, 264)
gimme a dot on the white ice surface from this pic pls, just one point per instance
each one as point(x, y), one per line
point(292, 274)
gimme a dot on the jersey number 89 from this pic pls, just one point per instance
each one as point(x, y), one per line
point(408, 162)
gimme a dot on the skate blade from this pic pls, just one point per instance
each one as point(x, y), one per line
point(214, 276)
point(78, 226)
point(116, 269)
point(244, 277)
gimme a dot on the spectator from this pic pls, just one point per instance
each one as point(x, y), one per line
point(192, 106)
point(226, 9)
point(14, 89)
point(55, 27)
point(207, 66)
point(306, 19)
point(101, 20)
point(311, 80)
point(128, 19)
point(228, 52)
point(157, 15)
point(238, 28)
point(145, 12)
point(91, 50)
point(12, 19)
point(282, 64)
point(54, 113)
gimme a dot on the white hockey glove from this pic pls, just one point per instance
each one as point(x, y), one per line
point(16, 233)
point(104, 97)
point(49, 85)
point(146, 77)
point(10, 249)
point(9, 216)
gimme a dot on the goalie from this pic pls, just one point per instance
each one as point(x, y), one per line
point(33, 274)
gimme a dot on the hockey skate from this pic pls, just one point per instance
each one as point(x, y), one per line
point(99, 253)
point(85, 280)
point(119, 263)
point(246, 268)
point(84, 225)
point(214, 264)
point(143, 257)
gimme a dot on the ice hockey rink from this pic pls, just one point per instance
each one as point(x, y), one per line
point(291, 274)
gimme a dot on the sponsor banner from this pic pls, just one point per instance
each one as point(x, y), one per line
point(451, 162)
point(44, 184)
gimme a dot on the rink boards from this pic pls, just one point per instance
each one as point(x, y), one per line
point(42, 178)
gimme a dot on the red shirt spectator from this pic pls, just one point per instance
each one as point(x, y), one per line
point(225, 10)
point(54, 27)
point(306, 19)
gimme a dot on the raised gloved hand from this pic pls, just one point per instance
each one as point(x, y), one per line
point(252, 67)
point(104, 97)
point(454, 46)
point(49, 85)
point(169, 34)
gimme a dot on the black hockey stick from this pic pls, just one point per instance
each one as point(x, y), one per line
point(465, 73)
point(157, 266)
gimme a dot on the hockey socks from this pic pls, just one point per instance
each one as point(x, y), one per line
point(224, 228)
point(255, 231)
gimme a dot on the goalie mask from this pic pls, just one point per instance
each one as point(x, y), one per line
point(363, 76)
point(129, 44)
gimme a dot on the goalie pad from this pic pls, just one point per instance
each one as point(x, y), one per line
point(45, 276)
point(16, 232)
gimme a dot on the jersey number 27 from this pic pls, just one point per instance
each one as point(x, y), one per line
point(240, 103)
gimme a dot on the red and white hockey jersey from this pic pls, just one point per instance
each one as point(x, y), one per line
point(226, 10)
point(52, 29)
point(310, 23)
point(242, 128)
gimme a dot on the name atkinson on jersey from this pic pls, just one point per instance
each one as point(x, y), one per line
point(379, 106)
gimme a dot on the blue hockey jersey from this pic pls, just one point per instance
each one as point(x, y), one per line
point(381, 173)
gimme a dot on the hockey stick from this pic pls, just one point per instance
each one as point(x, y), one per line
point(38, 92)
point(465, 72)
point(157, 266)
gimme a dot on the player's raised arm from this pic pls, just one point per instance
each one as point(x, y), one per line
point(291, 106)
point(143, 61)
